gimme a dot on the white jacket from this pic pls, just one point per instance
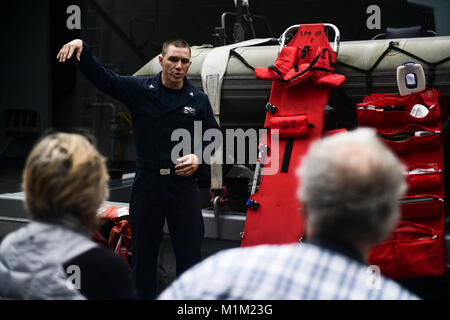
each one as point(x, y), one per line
point(32, 258)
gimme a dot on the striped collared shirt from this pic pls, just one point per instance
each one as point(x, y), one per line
point(282, 272)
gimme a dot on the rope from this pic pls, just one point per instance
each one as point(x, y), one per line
point(368, 72)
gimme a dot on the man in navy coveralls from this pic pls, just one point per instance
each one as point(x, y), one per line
point(161, 189)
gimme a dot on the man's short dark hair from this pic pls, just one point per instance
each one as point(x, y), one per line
point(176, 42)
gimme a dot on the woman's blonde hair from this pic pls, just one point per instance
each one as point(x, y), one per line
point(65, 174)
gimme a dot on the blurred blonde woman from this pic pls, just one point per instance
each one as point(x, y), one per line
point(65, 181)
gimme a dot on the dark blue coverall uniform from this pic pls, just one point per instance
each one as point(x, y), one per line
point(156, 197)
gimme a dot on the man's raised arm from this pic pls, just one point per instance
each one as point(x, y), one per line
point(123, 88)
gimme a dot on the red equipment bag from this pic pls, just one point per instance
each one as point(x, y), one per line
point(413, 250)
point(416, 248)
point(425, 178)
point(115, 219)
point(302, 77)
point(381, 116)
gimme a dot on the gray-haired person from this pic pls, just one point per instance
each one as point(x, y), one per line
point(350, 186)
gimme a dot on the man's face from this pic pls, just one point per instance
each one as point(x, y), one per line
point(175, 64)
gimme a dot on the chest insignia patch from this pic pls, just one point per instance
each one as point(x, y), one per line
point(189, 110)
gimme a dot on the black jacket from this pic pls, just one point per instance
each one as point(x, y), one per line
point(154, 117)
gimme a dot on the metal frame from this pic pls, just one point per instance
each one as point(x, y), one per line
point(337, 36)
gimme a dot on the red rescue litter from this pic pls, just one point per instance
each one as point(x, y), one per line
point(302, 77)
